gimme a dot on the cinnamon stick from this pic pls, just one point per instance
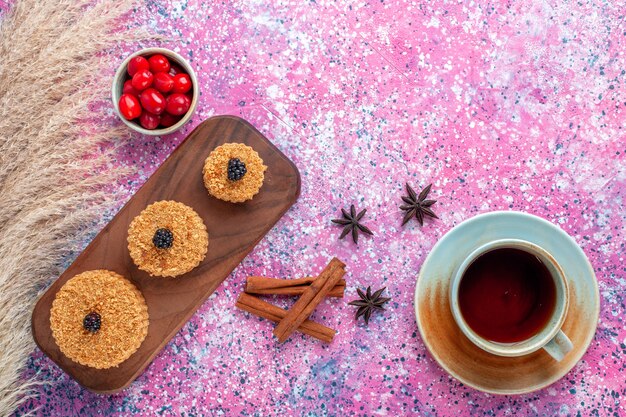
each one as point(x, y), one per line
point(310, 299)
point(265, 285)
point(337, 291)
point(269, 311)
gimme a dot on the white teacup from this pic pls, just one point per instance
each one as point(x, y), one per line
point(550, 337)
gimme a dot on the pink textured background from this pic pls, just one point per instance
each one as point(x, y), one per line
point(501, 105)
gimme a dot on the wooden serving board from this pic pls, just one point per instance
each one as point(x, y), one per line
point(234, 229)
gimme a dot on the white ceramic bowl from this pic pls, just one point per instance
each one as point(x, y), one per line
point(121, 76)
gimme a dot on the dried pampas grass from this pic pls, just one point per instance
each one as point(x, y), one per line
point(53, 162)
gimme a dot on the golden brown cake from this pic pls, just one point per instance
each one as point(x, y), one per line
point(167, 239)
point(99, 318)
point(233, 172)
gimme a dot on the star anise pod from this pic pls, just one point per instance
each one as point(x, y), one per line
point(352, 223)
point(417, 205)
point(369, 302)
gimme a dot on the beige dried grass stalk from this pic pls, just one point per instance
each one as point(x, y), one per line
point(51, 172)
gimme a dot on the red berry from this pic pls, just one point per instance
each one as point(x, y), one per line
point(168, 120)
point(149, 121)
point(175, 69)
point(142, 80)
point(152, 101)
point(137, 63)
point(129, 89)
point(163, 82)
point(177, 104)
point(159, 63)
point(182, 83)
point(129, 107)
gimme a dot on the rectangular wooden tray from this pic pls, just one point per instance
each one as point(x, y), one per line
point(234, 229)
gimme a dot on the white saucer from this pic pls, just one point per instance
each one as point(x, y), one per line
point(449, 346)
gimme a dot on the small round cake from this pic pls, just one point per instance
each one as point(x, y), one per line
point(233, 172)
point(99, 318)
point(167, 239)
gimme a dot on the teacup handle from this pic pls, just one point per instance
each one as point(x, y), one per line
point(559, 346)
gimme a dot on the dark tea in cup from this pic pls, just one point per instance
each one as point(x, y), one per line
point(507, 295)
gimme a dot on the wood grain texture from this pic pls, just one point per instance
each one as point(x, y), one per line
point(234, 229)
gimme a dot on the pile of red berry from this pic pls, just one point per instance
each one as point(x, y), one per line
point(157, 92)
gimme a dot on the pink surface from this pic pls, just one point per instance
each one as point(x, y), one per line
point(501, 105)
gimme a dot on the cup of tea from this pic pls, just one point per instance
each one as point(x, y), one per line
point(510, 298)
